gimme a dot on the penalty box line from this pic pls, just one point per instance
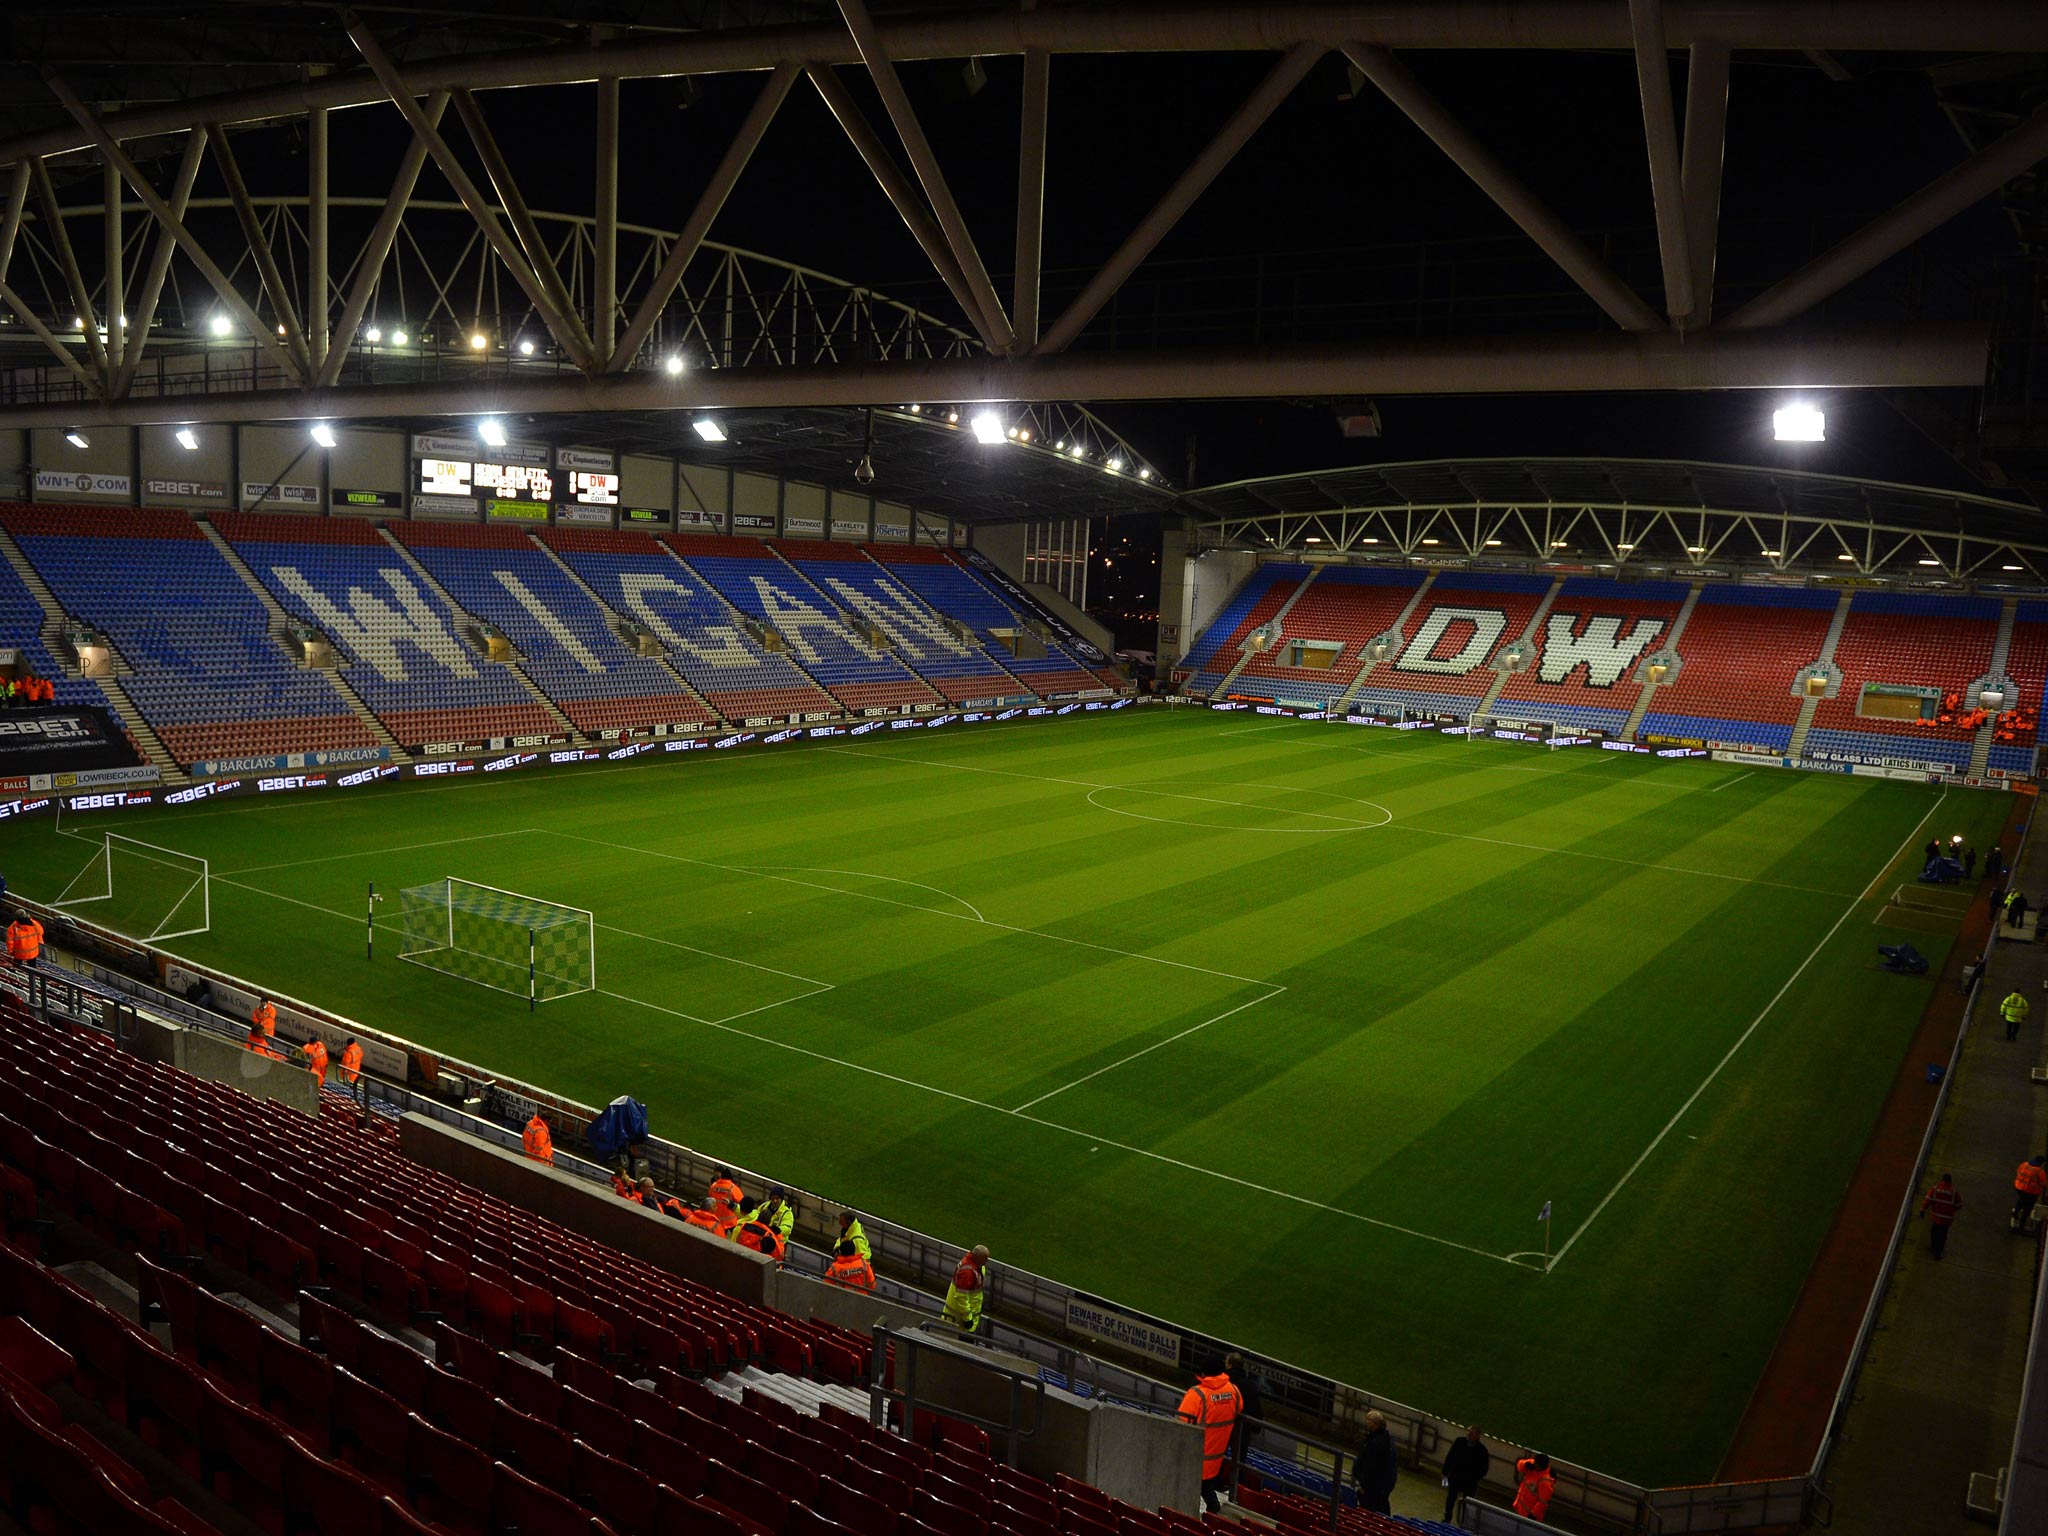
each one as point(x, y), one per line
point(1743, 1038)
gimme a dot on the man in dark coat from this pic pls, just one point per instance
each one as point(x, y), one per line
point(1465, 1467)
point(1251, 1417)
point(1375, 1470)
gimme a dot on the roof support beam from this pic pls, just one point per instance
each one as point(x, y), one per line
point(1910, 355)
point(1958, 26)
point(114, 256)
point(902, 196)
point(1202, 170)
point(1031, 195)
point(67, 262)
point(530, 239)
point(709, 202)
point(604, 287)
point(159, 264)
point(897, 103)
point(27, 317)
point(187, 241)
point(10, 222)
point(1623, 305)
point(1933, 205)
point(1660, 131)
point(1706, 138)
point(267, 268)
point(370, 264)
point(316, 238)
point(568, 335)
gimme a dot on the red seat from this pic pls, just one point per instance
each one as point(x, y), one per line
point(754, 1504)
point(297, 1385)
point(396, 1367)
point(944, 1516)
point(623, 1496)
point(370, 1432)
point(530, 1391)
point(243, 1454)
point(675, 1515)
point(587, 1419)
point(858, 1512)
point(539, 1450)
point(328, 1498)
point(522, 1505)
point(230, 1340)
point(779, 1471)
point(803, 1522)
point(682, 1467)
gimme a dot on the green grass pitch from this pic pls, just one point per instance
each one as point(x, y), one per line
point(1284, 1031)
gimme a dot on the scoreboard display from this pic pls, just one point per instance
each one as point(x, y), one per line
point(595, 490)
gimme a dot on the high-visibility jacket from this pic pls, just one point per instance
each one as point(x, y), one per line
point(265, 1018)
point(260, 1044)
point(539, 1141)
point(1533, 1489)
point(2032, 1179)
point(853, 1271)
point(725, 1192)
point(2015, 1008)
point(707, 1220)
point(854, 1235)
point(1214, 1403)
point(626, 1191)
point(779, 1216)
point(1941, 1204)
point(760, 1237)
point(316, 1058)
point(24, 939)
point(351, 1061)
point(964, 1295)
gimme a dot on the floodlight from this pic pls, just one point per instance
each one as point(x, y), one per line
point(1116, 465)
point(78, 322)
point(323, 434)
point(525, 348)
point(478, 341)
point(988, 427)
point(280, 330)
point(76, 439)
point(373, 335)
point(674, 365)
point(1845, 557)
point(1799, 423)
point(398, 338)
point(1495, 544)
point(707, 427)
point(2012, 567)
point(1930, 562)
point(220, 325)
point(492, 431)
point(1432, 541)
point(188, 439)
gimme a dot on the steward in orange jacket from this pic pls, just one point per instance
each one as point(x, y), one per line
point(2029, 1184)
point(260, 1043)
point(315, 1051)
point(539, 1141)
point(626, 1191)
point(24, 940)
point(726, 1200)
point(1214, 1403)
point(1534, 1484)
point(265, 1017)
point(851, 1268)
point(351, 1060)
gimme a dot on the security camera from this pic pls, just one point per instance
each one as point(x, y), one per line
point(864, 471)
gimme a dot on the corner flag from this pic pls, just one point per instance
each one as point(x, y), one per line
point(1544, 1214)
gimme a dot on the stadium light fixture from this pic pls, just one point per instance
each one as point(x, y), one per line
point(988, 427)
point(1845, 557)
point(1369, 541)
point(492, 431)
point(1799, 422)
point(398, 338)
point(525, 347)
point(2012, 567)
point(323, 434)
point(1432, 541)
point(1930, 562)
point(1619, 548)
point(280, 329)
point(1116, 465)
point(188, 439)
point(952, 418)
point(1770, 554)
point(77, 439)
point(478, 341)
point(674, 364)
point(915, 410)
point(373, 335)
point(1145, 473)
point(707, 427)
point(1493, 543)
point(220, 325)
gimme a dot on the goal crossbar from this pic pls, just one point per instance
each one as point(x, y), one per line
point(506, 940)
point(190, 875)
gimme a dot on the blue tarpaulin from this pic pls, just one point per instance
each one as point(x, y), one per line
point(619, 1125)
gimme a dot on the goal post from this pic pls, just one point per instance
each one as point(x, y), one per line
point(535, 949)
point(143, 890)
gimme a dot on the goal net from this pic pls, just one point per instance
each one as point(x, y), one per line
point(141, 890)
point(538, 950)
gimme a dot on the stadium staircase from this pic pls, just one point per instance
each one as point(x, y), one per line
point(54, 631)
point(1634, 722)
point(512, 668)
point(224, 1314)
point(1810, 705)
point(858, 626)
point(2001, 650)
point(1527, 637)
point(621, 627)
point(745, 622)
point(1058, 670)
point(146, 740)
point(281, 630)
point(1399, 630)
point(1246, 653)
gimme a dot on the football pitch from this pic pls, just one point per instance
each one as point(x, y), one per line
point(1281, 1031)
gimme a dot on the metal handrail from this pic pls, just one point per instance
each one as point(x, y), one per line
point(907, 1344)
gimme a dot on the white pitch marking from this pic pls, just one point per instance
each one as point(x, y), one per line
point(1743, 1038)
point(331, 858)
point(1736, 780)
point(1192, 1029)
point(1246, 730)
point(1403, 826)
point(863, 874)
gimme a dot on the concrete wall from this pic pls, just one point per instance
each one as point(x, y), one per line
point(176, 476)
point(109, 451)
point(289, 456)
point(1003, 544)
point(1144, 1458)
point(1192, 591)
point(645, 482)
point(583, 1207)
point(757, 496)
point(706, 490)
point(368, 460)
point(803, 509)
point(892, 523)
point(853, 516)
point(219, 1060)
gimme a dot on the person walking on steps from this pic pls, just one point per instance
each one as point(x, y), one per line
point(1375, 1469)
point(1534, 1485)
point(2028, 1184)
point(970, 1286)
point(1214, 1403)
point(1465, 1468)
point(1939, 1206)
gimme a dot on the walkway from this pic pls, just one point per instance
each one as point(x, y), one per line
point(1941, 1383)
